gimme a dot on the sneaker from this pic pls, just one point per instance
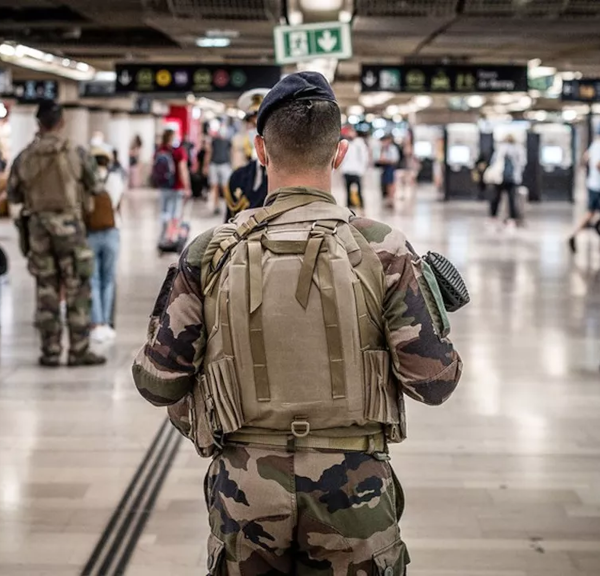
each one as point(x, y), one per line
point(109, 333)
point(98, 335)
point(49, 361)
point(87, 359)
point(572, 245)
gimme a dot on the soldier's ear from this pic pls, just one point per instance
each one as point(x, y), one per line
point(340, 153)
point(261, 152)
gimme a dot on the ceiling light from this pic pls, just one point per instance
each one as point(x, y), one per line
point(353, 119)
point(345, 16)
point(375, 99)
point(213, 42)
point(379, 123)
point(49, 58)
point(398, 118)
point(190, 98)
point(296, 18)
point(106, 76)
point(534, 63)
point(370, 117)
point(3, 111)
point(357, 110)
point(541, 71)
point(66, 62)
point(475, 101)
point(392, 109)
point(541, 115)
point(321, 5)
point(423, 101)
point(82, 66)
point(7, 50)
point(569, 115)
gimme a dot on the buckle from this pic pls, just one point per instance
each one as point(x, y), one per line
point(300, 428)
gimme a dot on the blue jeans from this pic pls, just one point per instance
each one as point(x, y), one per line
point(171, 203)
point(105, 245)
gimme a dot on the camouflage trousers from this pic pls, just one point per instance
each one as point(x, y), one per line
point(61, 262)
point(306, 513)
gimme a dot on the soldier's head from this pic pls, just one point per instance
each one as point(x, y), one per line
point(49, 116)
point(299, 124)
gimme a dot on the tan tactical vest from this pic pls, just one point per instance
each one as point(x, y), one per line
point(293, 309)
point(51, 170)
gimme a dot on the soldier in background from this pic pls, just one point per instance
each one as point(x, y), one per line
point(248, 184)
point(49, 184)
point(319, 323)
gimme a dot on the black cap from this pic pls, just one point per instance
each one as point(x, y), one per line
point(48, 107)
point(299, 86)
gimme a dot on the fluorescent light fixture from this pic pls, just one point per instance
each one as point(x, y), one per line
point(569, 115)
point(475, 101)
point(213, 42)
point(356, 110)
point(296, 18)
point(345, 16)
point(34, 59)
point(106, 76)
point(322, 5)
point(422, 101)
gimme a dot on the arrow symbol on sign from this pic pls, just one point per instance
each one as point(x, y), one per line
point(369, 79)
point(327, 41)
point(125, 78)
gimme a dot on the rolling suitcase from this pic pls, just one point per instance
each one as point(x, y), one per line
point(176, 235)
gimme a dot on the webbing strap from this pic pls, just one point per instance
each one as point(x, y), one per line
point(284, 247)
point(259, 357)
point(363, 315)
point(225, 324)
point(311, 255)
point(332, 327)
point(255, 274)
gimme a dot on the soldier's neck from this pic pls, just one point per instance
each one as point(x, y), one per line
point(320, 181)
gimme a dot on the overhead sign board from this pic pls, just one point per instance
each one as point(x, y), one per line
point(200, 78)
point(443, 79)
point(97, 89)
point(583, 90)
point(324, 40)
point(33, 91)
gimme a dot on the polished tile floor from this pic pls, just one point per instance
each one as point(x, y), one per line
point(503, 480)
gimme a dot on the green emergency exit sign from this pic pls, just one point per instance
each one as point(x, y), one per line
point(299, 43)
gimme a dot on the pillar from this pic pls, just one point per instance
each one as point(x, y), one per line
point(23, 127)
point(77, 124)
point(119, 136)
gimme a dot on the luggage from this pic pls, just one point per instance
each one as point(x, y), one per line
point(175, 237)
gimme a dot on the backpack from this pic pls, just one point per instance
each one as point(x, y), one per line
point(508, 174)
point(164, 170)
point(102, 217)
point(293, 295)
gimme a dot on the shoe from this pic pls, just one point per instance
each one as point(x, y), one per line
point(109, 333)
point(49, 361)
point(98, 335)
point(87, 359)
point(572, 245)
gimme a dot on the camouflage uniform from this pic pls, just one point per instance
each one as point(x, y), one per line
point(59, 259)
point(310, 511)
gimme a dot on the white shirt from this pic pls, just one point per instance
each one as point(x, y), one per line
point(115, 188)
point(593, 179)
point(356, 161)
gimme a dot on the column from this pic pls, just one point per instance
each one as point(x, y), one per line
point(99, 121)
point(119, 135)
point(77, 124)
point(23, 127)
point(144, 126)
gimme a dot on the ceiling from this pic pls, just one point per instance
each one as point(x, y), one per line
point(562, 33)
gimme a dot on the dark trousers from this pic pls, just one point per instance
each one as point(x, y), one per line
point(354, 179)
point(511, 190)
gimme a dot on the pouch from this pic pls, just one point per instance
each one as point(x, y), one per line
point(215, 561)
point(84, 263)
point(391, 560)
point(380, 388)
point(224, 392)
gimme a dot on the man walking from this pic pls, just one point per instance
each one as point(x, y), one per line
point(46, 183)
point(353, 168)
point(319, 323)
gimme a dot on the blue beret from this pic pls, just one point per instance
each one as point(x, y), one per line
point(299, 86)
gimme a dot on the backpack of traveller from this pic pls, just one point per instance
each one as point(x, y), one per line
point(164, 170)
point(296, 263)
point(102, 217)
point(508, 175)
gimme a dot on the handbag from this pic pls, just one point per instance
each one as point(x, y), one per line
point(494, 173)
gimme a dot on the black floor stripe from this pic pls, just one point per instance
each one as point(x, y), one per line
point(123, 503)
point(120, 539)
point(146, 512)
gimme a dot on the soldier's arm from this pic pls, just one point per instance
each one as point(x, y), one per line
point(423, 357)
point(165, 368)
point(89, 173)
point(14, 188)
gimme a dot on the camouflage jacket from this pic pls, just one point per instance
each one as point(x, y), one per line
point(90, 183)
point(423, 359)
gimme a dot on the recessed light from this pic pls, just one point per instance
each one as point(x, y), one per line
point(213, 42)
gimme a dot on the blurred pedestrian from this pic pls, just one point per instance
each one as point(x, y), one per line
point(388, 158)
point(45, 188)
point(219, 161)
point(134, 162)
point(591, 159)
point(353, 168)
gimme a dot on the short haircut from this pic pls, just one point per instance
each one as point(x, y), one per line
point(167, 136)
point(303, 134)
point(49, 115)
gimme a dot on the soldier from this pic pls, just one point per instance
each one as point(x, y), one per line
point(45, 187)
point(248, 184)
point(283, 344)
